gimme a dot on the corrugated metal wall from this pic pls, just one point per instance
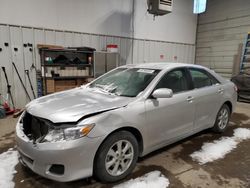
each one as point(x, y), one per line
point(221, 29)
point(17, 36)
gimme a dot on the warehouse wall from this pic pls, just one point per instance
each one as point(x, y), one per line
point(16, 36)
point(179, 26)
point(63, 23)
point(109, 17)
point(221, 29)
point(92, 16)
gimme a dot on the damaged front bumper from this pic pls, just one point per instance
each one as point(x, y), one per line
point(61, 161)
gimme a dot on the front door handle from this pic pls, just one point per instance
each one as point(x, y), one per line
point(190, 99)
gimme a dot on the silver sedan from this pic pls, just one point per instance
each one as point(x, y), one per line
point(102, 128)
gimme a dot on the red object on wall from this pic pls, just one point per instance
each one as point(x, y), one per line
point(112, 48)
point(161, 56)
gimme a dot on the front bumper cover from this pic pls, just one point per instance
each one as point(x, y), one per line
point(76, 156)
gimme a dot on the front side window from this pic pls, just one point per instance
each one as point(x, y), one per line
point(127, 82)
point(202, 78)
point(175, 80)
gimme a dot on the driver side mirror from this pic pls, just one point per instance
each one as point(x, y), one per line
point(162, 93)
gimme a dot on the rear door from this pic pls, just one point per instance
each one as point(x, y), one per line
point(207, 93)
point(169, 119)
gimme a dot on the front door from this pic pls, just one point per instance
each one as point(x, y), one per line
point(169, 119)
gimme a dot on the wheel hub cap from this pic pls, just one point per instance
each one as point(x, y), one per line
point(119, 157)
point(223, 118)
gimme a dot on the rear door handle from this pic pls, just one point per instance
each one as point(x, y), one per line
point(190, 99)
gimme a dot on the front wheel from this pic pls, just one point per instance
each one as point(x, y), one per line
point(222, 119)
point(116, 157)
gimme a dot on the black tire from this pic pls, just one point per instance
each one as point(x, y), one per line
point(100, 171)
point(218, 127)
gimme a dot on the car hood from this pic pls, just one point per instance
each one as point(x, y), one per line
point(72, 105)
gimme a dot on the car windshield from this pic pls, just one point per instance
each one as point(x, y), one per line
point(127, 82)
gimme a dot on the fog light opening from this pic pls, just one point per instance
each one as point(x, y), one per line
point(57, 169)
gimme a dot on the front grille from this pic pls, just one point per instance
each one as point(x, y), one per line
point(34, 128)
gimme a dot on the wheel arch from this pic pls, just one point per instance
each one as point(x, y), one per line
point(229, 104)
point(136, 133)
point(133, 131)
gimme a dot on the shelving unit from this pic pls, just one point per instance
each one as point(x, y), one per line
point(65, 68)
point(68, 65)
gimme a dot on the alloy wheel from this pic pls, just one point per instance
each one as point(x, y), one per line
point(119, 157)
point(223, 118)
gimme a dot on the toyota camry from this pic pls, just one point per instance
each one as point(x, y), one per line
point(101, 129)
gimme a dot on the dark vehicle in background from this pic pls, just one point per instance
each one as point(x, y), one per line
point(242, 81)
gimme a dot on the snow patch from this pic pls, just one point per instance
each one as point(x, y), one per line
point(242, 134)
point(9, 160)
point(213, 151)
point(150, 180)
point(219, 148)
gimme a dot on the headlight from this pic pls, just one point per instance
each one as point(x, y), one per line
point(77, 132)
point(71, 133)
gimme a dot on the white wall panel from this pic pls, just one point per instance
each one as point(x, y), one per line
point(137, 51)
point(146, 50)
point(68, 39)
point(50, 37)
point(155, 50)
point(86, 40)
point(102, 43)
point(5, 61)
point(151, 51)
point(129, 45)
point(59, 38)
point(123, 51)
point(162, 52)
point(28, 55)
point(77, 40)
point(140, 51)
point(168, 48)
point(119, 43)
point(95, 42)
point(110, 40)
point(18, 59)
point(39, 38)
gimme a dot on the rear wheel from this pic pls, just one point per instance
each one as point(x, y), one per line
point(116, 157)
point(222, 119)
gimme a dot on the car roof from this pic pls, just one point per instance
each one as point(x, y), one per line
point(161, 65)
point(169, 65)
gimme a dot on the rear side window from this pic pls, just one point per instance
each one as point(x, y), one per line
point(175, 80)
point(201, 78)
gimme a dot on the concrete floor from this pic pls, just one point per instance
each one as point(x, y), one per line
point(173, 161)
